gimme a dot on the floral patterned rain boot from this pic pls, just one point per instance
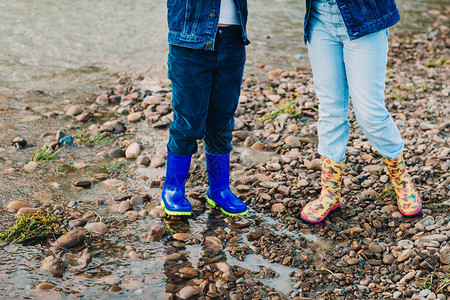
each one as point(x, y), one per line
point(316, 211)
point(408, 200)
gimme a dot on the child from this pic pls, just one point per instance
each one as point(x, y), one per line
point(206, 63)
point(347, 45)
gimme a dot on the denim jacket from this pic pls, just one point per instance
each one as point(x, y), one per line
point(194, 23)
point(362, 17)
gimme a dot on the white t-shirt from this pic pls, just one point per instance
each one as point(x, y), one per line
point(228, 13)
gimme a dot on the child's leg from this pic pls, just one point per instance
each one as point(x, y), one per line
point(190, 71)
point(365, 63)
point(191, 74)
point(220, 122)
point(226, 88)
point(330, 84)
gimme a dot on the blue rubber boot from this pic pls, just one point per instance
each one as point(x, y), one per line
point(219, 193)
point(173, 200)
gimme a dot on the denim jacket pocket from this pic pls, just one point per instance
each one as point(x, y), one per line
point(369, 9)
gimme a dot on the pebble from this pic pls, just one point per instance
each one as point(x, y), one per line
point(45, 286)
point(27, 211)
point(97, 227)
point(30, 166)
point(124, 206)
point(15, 205)
point(53, 265)
point(404, 255)
point(134, 117)
point(155, 234)
point(273, 166)
point(83, 184)
point(278, 208)
point(84, 259)
point(315, 164)
point(74, 110)
point(112, 182)
point(116, 153)
point(102, 100)
point(136, 200)
point(143, 160)
point(157, 212)
point(188, 292)
point(157, 162)
point(19, 142)
point(292, 141)
point(258, 146)
point(182, 236)
point(71, 239)
point(133, 150)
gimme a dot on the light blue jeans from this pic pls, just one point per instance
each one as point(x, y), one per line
point(342, 67)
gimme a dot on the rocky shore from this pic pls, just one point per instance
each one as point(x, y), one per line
point(107, 172)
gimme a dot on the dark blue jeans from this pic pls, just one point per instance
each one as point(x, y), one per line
point(205, 93)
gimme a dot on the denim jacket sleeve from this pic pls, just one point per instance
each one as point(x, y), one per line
point(194, 23)
point(362, 17)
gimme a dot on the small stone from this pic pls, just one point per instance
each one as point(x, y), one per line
point(77, 223)
point(134, 117)
point(27, 211)
point(157, 212)
point(273, 167)
point(53, 265)
point(388, 259)
point(258, 146)
point(444, 256)
point(44, 286)
point(124, 206)
point(292, 141)
point(116, 153)
point(132, 254)
point(291, 128)
point(99, 177)
point(83, 184)
point(71, 239)
point(112, 182)
point(278, 208)
point(405, 244)
point(136, 200)
point(15, 205)
point(84, 116)
point(143, 160)
point(255, 235)
point(182, 236)
point(114, 288)
point(133, 150)
point(102, 100)
point(74, 110)
point(30, 166)
point(157, 162)
point(404, 255)
point(188, 272)
point(315, 164)
point(155, 234)
point(19, 142)
point(97, 227)
point(352, 261)
point(188, 292)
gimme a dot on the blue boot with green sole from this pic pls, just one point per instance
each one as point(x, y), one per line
point(219, 194)
point(173, 199)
